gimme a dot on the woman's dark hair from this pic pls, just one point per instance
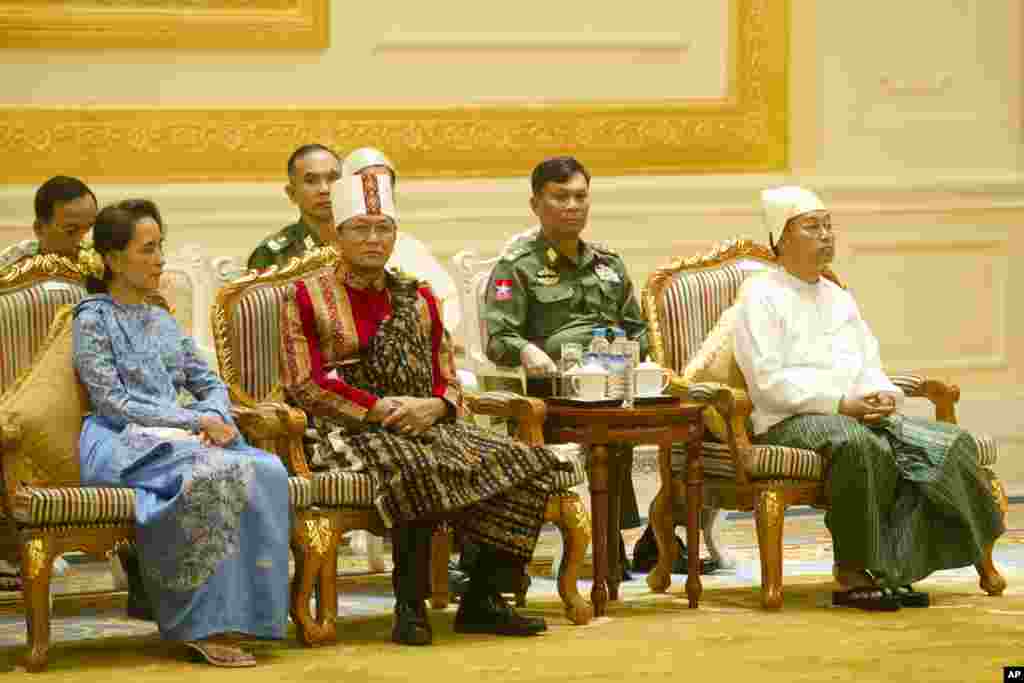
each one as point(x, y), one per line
point(61, 189)
point(114, 229)
point(555, 170)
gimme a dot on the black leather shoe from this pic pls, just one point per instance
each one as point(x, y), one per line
point(492, 614)
point(411, 626)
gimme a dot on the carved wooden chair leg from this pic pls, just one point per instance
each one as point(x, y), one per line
point(36, 564)
point(769, 512)
point(661, 518)
point(440, 551)
point(315, 539)
point(566, 511)
point(990, 580)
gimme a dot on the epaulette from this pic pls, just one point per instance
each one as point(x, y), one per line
point(279, 242)
point(603, 248)
point(515, 252)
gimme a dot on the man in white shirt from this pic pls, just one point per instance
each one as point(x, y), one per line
point(906, 495)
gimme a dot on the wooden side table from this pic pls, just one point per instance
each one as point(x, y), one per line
point(663, 423)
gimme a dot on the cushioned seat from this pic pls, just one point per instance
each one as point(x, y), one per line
point(350, 488)
point(690, 307)
point(95, 505)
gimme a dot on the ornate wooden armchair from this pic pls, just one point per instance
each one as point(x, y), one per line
point(44, 509)
point(683, 301)
point(245, 321)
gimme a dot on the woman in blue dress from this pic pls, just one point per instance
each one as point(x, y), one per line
point(212, 512)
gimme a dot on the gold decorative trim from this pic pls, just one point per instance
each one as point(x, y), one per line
point(769, 508)
point(745, 131)
point(37, 556)
point(725, 252)
point(223, 310)
point(178, 24)
point(42, 267)
point(318, 534)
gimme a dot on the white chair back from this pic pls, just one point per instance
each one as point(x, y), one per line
point(473, 274)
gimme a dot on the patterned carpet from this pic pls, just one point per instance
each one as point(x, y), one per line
point(86, 608)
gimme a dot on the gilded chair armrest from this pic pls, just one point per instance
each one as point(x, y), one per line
point(943, 396)
point(530, 412)
point(10, 439)
point(277, 428)
point(735, 407)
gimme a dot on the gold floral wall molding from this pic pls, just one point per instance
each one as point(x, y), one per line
point(178, 24)
point(746, 131)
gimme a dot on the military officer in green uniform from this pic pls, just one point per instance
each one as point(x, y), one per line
point(65, 212)
point(550, 287)
point(313, 171)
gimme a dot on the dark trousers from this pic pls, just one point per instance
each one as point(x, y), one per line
point(491, 570)
point(410, 553)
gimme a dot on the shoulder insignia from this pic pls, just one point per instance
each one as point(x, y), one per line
point(515, 253)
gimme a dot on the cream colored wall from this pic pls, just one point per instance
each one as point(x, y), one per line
point(905, 116)
point(413, 53)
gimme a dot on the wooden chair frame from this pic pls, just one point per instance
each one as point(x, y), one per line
point(768, 499)
point(321, 529)
point(36, 547)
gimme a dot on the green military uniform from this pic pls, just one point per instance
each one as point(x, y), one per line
point(537, 295)
point(284, 245)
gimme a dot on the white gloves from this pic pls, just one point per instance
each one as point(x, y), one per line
point(536, 362)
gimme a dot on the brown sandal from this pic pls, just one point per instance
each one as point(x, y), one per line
point(206, 651)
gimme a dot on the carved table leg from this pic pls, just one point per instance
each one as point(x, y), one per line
point(771, 506)
point(615, 479)
point(599, 508)
point(566, 511)
point(36, 563)
point(661, 520)
point(694, 493)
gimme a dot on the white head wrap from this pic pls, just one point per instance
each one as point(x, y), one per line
point(364, 157)
point(779, 204)
point(364, 195)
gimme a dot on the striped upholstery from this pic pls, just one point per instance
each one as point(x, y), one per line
point(768, 462)
point(50, 506)
point(988, 450)
point(692, 304)
point(256, 324)
point(25, 317)
point(343, 488)
point(573, 453)
point(88, 504)
point(301, 492)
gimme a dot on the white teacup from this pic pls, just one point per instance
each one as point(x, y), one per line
point(651, 379)
point(589, 382)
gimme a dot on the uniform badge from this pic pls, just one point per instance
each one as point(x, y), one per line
point(310, 244)
point(552, 255)
point(502, 290)
point(547, 277)
point(605, 273)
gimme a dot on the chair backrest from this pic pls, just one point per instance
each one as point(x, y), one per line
point(246, 324)
point(472, 274)
point(683, 300)
point(31, 292)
